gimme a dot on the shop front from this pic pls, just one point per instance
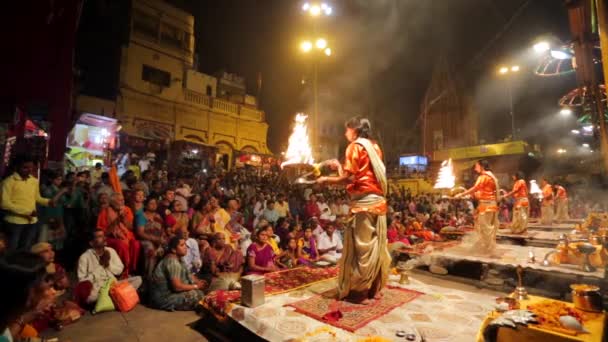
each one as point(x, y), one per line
point(91, 141)
point(189, 158)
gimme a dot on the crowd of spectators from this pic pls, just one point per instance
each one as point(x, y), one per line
point(177, 236)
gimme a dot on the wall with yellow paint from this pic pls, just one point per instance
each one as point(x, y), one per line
point(182, 109)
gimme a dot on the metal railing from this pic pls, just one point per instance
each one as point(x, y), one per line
point(223, 106)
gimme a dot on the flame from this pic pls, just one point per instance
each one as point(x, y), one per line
point(535, 190)
point(299, 150)
point(445, 177)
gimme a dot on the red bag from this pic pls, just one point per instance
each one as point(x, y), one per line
point(125, 296)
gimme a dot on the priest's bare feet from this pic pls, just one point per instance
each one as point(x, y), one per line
point(378, 295)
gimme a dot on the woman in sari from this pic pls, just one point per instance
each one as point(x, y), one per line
point(150, 231)
point(307, 247)
point(178, 220)
point(365, 262)
point(222, 265)
point(260, 255)
point(172, 287)
point(137, 204)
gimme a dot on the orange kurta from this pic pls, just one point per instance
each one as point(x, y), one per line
point(547, 195)
point(364, 181)
point(561, 193)
point(520, 193)
point(485, 191)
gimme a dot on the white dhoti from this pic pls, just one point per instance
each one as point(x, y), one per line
point(561, 210)
point(520, 219)
point(365, 262)
point(546, 214)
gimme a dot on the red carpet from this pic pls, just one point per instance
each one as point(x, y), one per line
point(275, 283)
point(350, 316)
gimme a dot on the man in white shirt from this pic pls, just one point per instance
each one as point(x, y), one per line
point(322, 204)
point(96, 266)
point(317, 229)
point(329, 245)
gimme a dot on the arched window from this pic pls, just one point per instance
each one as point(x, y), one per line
point(209, 90)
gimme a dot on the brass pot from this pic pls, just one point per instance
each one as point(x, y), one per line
point(587, 297)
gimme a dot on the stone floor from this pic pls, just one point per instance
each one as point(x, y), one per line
point(141, 324)
point(144, 324)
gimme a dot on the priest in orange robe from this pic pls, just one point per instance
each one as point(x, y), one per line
point(546, 209)
point(485, 191)
point(561, 204)
point(365, 262)
point(521, 207)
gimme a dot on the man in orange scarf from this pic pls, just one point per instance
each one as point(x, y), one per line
point(546, 210)
point(561, 204)
point(486, 218)
point(521, 207)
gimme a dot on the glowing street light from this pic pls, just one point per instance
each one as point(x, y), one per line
point(559, 54)
point(542, 47)
point(585, 145)
point(306, 46)
point(575, 131)
point(327, 52)
point(321, 43)
point(315, 10)
point(565, 111)
point(515, 68)
point(561, 151)
point(503, 70)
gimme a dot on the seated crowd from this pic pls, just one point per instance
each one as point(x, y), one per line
point(177, 238)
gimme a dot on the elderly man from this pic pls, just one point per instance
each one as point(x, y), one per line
point(116, 221)
point(95, 267)
point(222, 265)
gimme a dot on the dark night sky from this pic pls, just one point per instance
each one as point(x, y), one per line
point(384, 55)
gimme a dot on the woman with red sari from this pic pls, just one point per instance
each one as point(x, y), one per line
point(116, 221)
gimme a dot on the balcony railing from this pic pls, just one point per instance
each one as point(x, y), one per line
point(223, 106)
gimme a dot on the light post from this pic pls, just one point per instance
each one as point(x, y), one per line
point(317, 9)
point(508, 72)
point(318, 49)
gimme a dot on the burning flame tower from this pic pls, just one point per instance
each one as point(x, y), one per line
point(299, 150)
point(445, 178)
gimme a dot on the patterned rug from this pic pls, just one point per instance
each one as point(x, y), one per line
point(349, 316)
point(275, 283)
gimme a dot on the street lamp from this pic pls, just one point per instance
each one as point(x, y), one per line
point(316, 9)
point(306, 46)
point(318, 49)
point(542, 47)
point(575, 131)
point(507, 71)
point(566, 111)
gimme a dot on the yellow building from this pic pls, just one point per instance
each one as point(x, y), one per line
point(162, 97)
